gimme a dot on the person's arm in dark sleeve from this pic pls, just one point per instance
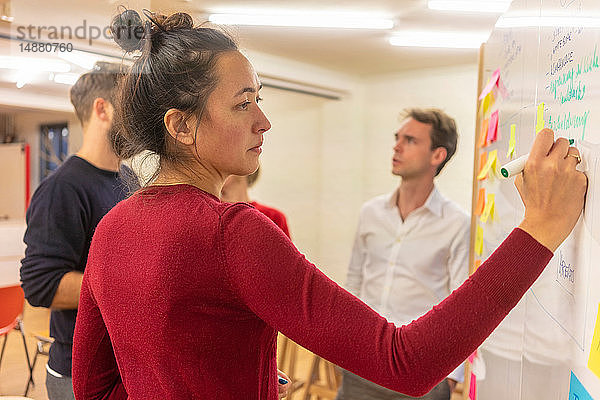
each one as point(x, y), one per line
point(56, 241)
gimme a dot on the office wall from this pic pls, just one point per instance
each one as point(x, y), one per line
point(453, 89)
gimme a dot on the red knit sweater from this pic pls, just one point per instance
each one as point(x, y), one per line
point(185, 295)
point(274, 215)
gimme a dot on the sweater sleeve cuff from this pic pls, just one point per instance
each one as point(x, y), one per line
point(520, 253)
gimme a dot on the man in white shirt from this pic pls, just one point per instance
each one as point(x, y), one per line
point(412, 245)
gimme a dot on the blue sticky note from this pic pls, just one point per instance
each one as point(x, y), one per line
point(577, 391)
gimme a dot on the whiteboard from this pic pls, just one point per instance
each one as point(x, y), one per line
point(547, 51)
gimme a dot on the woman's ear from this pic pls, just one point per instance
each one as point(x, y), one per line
point(179, 127)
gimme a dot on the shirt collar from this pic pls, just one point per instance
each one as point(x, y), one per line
point(434, 202)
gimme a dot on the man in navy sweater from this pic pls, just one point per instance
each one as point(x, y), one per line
point(63, 215)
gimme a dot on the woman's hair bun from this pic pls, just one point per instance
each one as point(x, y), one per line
point(128, 30)
point(173, 22)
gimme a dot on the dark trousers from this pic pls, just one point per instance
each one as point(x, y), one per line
point(59, 388)
point(356, 388)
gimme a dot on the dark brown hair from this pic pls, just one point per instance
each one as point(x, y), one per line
point(101, 82)
point(176, 69)
point(443, 129)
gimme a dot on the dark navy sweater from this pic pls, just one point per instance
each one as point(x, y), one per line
point(61, 219)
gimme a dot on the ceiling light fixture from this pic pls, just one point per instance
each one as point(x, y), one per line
point(477, 6)
point(22, 79)
point(455, 40)
point(305, 20)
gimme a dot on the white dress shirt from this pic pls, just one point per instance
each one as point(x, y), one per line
point(402, 269)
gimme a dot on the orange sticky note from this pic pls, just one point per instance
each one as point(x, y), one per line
point(489, 208)
point(484, 132)
point(477, 265)
point(482, 163)
point(594, 359)
point(479, 240)
point(480, 202)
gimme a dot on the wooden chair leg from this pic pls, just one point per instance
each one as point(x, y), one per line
point(326, 390)
point(287, 356)
point(282, 356)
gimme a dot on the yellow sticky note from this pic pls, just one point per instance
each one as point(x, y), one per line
point(479, 240)
point(489, 208)
point(489, 165)
point(594, 360)
point(493, 156)
point(540, 118)
point(488, 100)
point(512, 142)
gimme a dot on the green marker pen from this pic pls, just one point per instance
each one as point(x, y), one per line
point(516, 166)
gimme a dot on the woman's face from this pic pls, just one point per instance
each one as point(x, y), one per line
point(230, 134)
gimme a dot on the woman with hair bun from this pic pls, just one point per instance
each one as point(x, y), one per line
point(183, 294)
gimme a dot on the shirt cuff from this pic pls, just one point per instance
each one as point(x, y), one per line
point(458, 374)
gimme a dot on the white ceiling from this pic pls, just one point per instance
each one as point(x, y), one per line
point(359, 52)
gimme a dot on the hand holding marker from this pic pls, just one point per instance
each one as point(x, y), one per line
point(516, 166)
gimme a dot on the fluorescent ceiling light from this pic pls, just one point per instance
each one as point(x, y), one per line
point(66, 79)
point(548, 21)
point(483, 6)
point(23, 78)
point(34, 64)
point(305, 20)
point(455, 40)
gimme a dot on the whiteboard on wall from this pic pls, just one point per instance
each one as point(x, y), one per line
point(548, 51)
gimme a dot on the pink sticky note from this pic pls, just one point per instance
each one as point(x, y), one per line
point(473, 387)
point(490, 85)
point(472, 356)
point(502, 89)
point(493, 128)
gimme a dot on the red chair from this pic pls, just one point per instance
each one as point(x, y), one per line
point(12, 300)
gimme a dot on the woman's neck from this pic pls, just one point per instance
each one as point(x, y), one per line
point(203, 181)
